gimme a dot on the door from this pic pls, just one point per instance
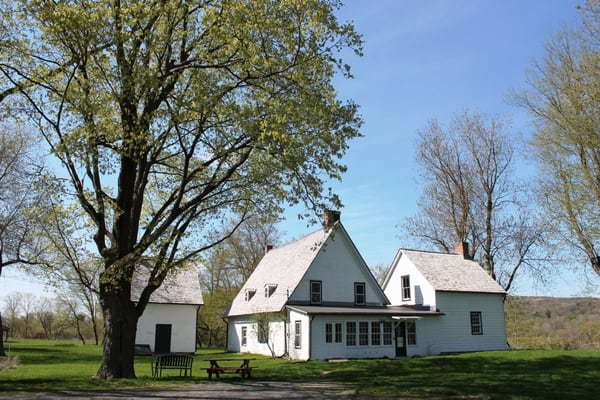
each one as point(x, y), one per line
point(401, 339)
point(162, 340)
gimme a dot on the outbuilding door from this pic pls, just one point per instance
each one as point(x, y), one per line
point(162, 340)
point(401, 339)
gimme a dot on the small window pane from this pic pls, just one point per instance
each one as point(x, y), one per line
point(406, 287)
point(315, 292)
point(298, 334)
point(411, 333)
point(387, 333)
point(375, 334)
point(476, 323)
point(350, 333)
point(359, 293)
point(363, 333)
point(244, 336)
point(328, 333)
point(338, 332)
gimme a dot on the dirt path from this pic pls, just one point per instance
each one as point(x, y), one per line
point(241, 390)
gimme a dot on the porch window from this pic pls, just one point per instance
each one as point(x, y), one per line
point(375, 334)
point(387, 333)
point(338, 332)
point(297, 334)
point(411, 332)
point(359, 294)
point(244, 335)
point(328, 333)
point(363, 333)
point(315, 292)
point(350, 333)
point(405, 287)
point(476, 323)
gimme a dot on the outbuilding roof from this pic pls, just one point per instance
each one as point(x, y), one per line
point(451, 272)
point(182, 286)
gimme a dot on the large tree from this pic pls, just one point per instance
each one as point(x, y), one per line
point(471, 194)
point(563, 97)
point(168, 115)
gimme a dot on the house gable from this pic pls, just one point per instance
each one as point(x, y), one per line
point(431, 272)
point(343, 275)
point(327, 256)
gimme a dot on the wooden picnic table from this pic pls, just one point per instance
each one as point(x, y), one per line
point(217, 367)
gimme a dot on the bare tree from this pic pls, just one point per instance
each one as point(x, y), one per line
point(562, 97)
point(472, 195)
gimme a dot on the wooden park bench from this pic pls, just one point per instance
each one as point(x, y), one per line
point(172, 361)
point(215, 368)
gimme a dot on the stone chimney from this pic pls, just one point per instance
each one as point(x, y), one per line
point(462, 248)
point(330, 217)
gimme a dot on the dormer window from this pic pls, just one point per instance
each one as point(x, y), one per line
point(269, 289)
point(315, 292)
point(248, 294)
point(359, 294)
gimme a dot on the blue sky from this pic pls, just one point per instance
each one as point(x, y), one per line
point(422, 60)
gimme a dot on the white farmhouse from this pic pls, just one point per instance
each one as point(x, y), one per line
point(168, 324)
point(470, 302)
point(315, 298)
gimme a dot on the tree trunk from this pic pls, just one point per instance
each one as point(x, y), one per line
point(120, 324)
point(2, 353)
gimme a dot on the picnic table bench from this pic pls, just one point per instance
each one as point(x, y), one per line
point(215, 368)
point(172, 361)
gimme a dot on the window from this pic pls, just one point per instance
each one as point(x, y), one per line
point(315, 292)
point(350, 333)
point(269, 289)
point(476, 324)
point(338, 332)
point(298, 334)
point(363, 333)
point(387, 333)
point(248, 294)
point(244, 335)
point(359, 293)
point(262, 331)
point(411, 332)
point(375, 334)
point(405, 287)
point(328, 333)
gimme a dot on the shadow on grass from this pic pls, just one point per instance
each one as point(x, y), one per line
point(561, 377)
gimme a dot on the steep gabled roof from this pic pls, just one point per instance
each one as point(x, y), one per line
point(282, 267)
point(450, 272)
point(182, 286)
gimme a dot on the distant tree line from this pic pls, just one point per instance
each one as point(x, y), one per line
point(28, 316)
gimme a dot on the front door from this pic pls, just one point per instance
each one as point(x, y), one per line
point(162, 340)
point(401, 339)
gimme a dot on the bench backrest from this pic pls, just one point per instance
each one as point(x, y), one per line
point(175, 361)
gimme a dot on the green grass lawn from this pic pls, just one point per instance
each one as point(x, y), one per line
point(526, 374)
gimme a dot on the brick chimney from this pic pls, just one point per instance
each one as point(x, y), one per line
point(330, 217)
point(462, 248)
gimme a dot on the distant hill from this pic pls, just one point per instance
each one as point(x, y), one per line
point(553, 323)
